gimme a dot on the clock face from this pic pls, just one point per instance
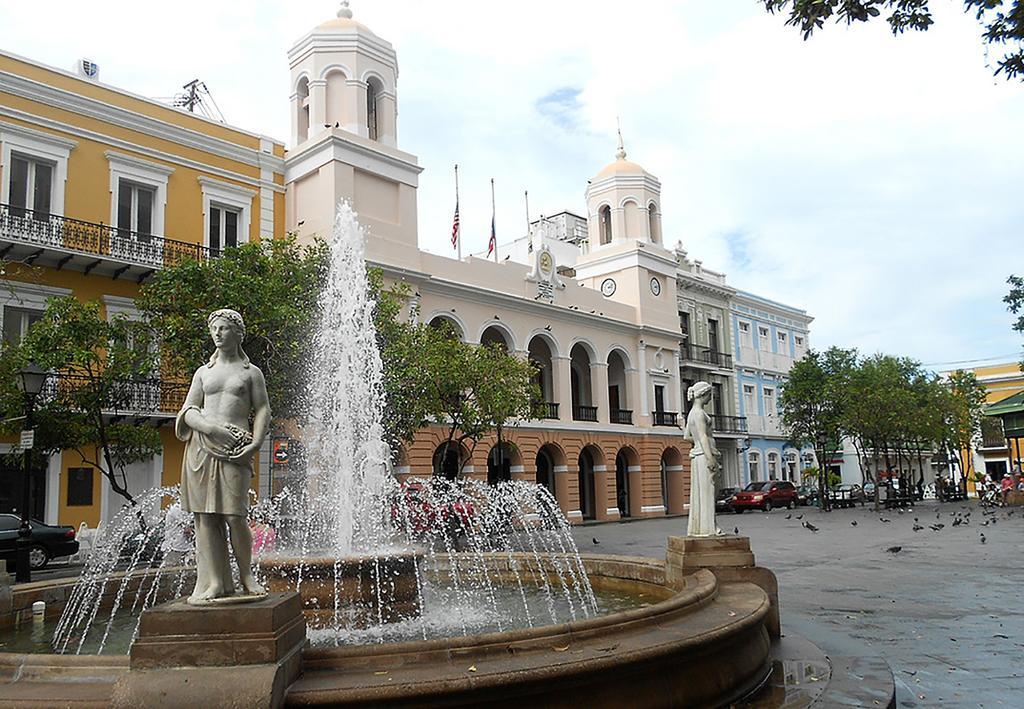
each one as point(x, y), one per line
point(655, 287)
point(608, 287)
point(545, 263)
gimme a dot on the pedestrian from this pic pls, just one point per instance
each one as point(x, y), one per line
point(178, 535)
point(264, 536)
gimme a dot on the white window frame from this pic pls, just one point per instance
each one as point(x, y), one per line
point(772, 459)
point(763, 334)
point(754, 465)
point(224, 195)
point(750, 405)
point(35, 145)
point(140, 172)
point(791, 458)
point(27, 296)
point(768, 393)
point(782, 337)
point(798, 342)
point(746, 334)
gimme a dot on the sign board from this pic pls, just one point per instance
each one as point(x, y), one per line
point(28, 438)
point(280, 454)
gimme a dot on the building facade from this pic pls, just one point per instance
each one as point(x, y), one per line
point(619, 324)
point(99, 189)
point(993, 454)
point(768, 338)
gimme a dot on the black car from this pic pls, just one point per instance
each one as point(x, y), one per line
point(47, 541)
point(807, 495)
point(723, 499)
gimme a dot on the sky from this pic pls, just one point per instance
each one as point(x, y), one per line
point(875, 182)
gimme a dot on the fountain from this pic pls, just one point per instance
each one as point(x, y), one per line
point(421, 592)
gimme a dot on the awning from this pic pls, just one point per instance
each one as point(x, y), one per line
point(1011, 411)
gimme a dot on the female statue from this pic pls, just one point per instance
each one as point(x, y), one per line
point(217, 466)
point(704, 463)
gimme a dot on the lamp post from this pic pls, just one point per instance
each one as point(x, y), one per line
point(30, 383)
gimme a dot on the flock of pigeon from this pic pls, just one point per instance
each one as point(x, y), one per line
point(961, 518)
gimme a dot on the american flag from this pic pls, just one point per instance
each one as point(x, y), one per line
point(455, 226)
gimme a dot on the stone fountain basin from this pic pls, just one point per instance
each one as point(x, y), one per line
point(703, 644)
point(381, 586)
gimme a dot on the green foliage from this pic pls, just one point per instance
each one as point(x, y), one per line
point(814, 403)
point(1003, 21)
point(274, 284)
point(97, 367)
point(1015, 304)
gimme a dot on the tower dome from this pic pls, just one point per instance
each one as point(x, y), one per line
point(344, 77)
point(623, 203)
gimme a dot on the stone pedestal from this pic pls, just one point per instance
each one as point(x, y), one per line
point(729, 558)
point(180, 656)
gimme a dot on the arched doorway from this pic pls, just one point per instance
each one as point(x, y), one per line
point(449, 463)
point(588, 502)
point(448, 325)
point(546, 470)
point(583, 408)
point(500, 461)
point(493, 336)
point(622, 483)
point(673, 490)
point(540, 354)
point(618, 403)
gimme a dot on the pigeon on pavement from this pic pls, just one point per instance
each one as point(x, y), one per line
point(894, 550)
point(809, 526)
point(853, 522)
point(594, 539)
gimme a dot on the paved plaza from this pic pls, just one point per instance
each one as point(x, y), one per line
point(946, 611)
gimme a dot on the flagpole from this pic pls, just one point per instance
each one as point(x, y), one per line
point(494, 234)
point(529, 236)
point(458, 234)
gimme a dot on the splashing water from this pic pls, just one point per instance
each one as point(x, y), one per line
point(427, 558)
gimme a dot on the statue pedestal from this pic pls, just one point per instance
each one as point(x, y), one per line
point(729, 558)
point(182, 650)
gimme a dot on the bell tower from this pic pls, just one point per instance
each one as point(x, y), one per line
point(344, 139)
point(344, 76)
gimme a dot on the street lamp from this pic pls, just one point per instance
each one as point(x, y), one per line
point(30, 383)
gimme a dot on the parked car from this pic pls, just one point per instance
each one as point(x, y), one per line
point(765, 496)
point(869, 490)
point(807, 495)
point(47, 541)
point(846, 495)
point(724, 497)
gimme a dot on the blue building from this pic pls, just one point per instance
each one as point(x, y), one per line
point(768, 337)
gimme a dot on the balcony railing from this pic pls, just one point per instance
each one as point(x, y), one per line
point(664, 418)
point(729, 424)
point(128, 397)
point(44, 230)
point(621, 416)
point(705, 355)
point(550, 410)
point(584, 413)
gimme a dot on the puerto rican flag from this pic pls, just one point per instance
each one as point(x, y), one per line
point(493, 243)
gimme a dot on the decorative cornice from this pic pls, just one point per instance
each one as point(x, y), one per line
point(41, 136)
point(116, 157)
point(125, 118)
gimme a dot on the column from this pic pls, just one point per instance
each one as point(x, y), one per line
point(564, 482)
point(317, 106)
point(677, 392)
point(563, 387)
point(605, 504)
point(599, 382)
point(641, 364)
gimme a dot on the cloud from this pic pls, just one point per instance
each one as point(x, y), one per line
point(871, 180)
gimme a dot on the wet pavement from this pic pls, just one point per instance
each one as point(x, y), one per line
point(945, 611)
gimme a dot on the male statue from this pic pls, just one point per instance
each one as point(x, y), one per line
point(217, 466)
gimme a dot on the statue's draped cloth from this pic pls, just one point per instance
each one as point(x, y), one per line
point(702, 491)
point(209, 483)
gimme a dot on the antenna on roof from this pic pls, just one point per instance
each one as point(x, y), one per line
point(195, 100)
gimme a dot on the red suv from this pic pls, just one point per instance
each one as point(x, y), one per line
point(765, 496)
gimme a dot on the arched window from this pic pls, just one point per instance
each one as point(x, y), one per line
point(604, 220)
point(372, 95)
point(791, 461)
point(302, 122)
point(754, 461)
point(652, 223)
point(773, 465)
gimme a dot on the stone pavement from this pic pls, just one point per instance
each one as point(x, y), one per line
point(946, 611)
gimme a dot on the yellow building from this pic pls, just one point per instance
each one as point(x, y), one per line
point(992, 455)
point(99, 189)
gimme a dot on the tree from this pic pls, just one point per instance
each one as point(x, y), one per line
point(1003, 21)
point(274, 284)
point(101, 368)
point(814, 403)
point(966, 399)
point(1015, 304)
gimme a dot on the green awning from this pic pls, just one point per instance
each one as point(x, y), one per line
point(1010, 405)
